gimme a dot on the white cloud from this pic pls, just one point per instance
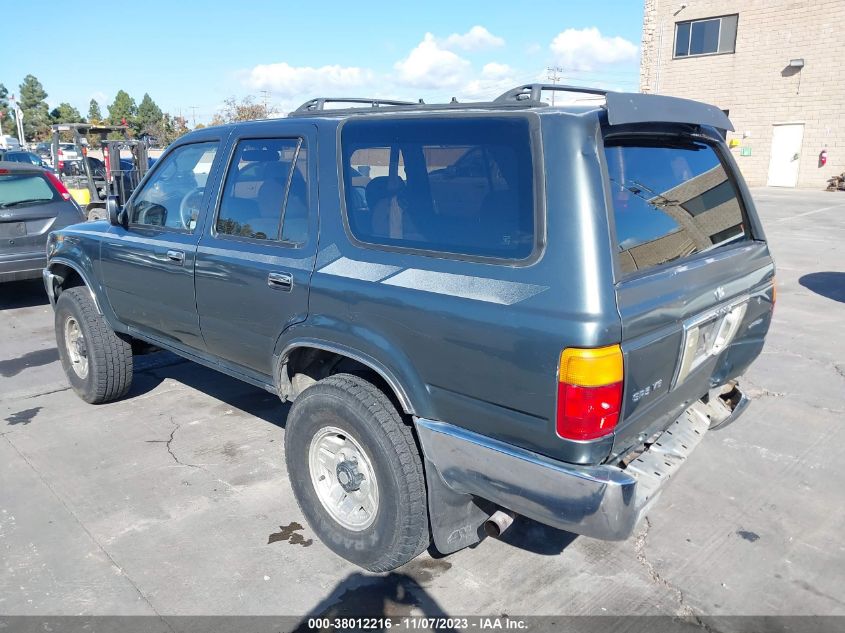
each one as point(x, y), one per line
point(430, 65)
point(285, 80)
point(496, 71)
point(494, 79)
point(477, 38)
point(587, 49)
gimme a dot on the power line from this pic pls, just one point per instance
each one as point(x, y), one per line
point(554, 75)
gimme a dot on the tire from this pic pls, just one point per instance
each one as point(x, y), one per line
point(348, 406)
point(96, 213)
point(105, 357)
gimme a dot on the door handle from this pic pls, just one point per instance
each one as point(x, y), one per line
point(177, 257)
point(281, 281)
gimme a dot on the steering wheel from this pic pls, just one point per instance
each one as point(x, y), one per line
point(189, 204)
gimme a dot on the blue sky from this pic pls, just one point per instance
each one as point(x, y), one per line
point(199, 53)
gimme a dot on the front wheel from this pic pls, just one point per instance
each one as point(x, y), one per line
point(97, 362)
point(356, 473)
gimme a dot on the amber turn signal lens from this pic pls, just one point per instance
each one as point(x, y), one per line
point(591, 367)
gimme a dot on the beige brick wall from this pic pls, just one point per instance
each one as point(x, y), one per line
point(751, 82)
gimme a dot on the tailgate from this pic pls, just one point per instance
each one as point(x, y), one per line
point(695, 289)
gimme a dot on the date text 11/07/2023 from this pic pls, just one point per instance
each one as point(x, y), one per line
point(418, 623)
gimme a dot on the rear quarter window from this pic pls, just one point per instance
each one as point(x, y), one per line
point(459, 186)
point(670, 202)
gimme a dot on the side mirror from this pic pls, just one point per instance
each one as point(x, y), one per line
point(114, 212)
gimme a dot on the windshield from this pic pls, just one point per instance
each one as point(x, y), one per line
point(670, 200)
point(19, 189)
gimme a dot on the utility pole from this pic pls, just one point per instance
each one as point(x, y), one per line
point(554, 76)
point(18, 120)
point(265, 96)
point(193, 115)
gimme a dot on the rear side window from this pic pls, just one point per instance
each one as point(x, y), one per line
point(457, 185)
point(266, 183)
point(18, 190)
point(670, 202)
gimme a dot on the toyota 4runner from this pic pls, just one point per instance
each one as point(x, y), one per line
point(476, 309)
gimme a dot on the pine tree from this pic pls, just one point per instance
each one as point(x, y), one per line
point(94, 114)
point(149, 116)
point(7, 123)
point(66, 113)
point(33, 102)
point(122, 109)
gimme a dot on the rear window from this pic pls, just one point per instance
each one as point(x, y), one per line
point(670, 201)
point(21, 189)
point(456, 185)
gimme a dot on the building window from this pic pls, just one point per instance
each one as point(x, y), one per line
point(710, 36)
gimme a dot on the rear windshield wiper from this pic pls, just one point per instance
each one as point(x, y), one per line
point(17, 203)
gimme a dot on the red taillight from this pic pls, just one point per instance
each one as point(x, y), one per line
point(58, 184)
point(589, 396)
point(585, 413)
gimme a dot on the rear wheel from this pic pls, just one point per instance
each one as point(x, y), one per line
point(356, 473)
point(96, 361)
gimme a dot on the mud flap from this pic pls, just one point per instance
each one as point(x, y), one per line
point(457, 520)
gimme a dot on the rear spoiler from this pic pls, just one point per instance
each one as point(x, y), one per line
point(630, 107)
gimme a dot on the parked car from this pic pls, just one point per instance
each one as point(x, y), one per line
point(32, 203)
point(507, 308)
point(44, 152)
point(7, 142)
point(24, 157)
point(69, 151)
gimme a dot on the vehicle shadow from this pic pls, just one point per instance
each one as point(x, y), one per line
point(395, 595)
point(827, 284)
point(532, 536)
point(22, 294)
point(153, 369)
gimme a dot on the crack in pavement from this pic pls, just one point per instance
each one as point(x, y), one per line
point(85, 529)
point(827, 364)
point(684, 611)
point(168, 444)
point(170, 450)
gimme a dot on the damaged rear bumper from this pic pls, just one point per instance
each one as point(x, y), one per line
point(604, 502)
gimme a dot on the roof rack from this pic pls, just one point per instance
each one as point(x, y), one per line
point(533, 92)
point(319, 104)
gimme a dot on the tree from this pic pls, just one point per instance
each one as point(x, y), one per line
point(167, 129)
point(94, 114)
point(6, 120)
point(33, 102)
point(66, 113)
point(123, 108)
point(244, 110)
point(149, 115)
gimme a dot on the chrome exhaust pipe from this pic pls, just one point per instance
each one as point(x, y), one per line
point(499, 521)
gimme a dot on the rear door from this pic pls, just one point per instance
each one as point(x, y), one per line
point(256, 255)
point(694, 274)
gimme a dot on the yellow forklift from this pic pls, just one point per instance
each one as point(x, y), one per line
point(90, 180)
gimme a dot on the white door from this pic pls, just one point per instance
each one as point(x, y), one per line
point(786, 154)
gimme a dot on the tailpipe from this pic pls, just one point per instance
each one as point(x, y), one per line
point(498, 522)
